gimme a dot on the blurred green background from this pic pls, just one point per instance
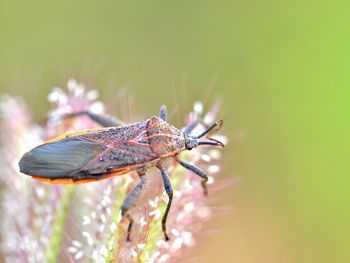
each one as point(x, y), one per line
point(282, 69)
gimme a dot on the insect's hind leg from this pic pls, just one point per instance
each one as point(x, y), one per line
point(103, 120)
point(169, 191)
point(132, 198)
point(199, 172)
point(163, 113)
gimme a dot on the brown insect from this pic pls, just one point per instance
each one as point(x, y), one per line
point(97, 154)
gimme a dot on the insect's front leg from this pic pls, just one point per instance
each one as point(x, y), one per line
point(188, 129)
point(103, 120)
point(132, 198)
point(169, 191)
point(199, 172)
point(163, 113)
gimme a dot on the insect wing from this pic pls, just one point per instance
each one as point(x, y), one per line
point(61, 158)
point(128, 155)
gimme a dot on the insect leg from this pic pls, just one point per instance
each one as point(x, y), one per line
point(188, 129)
point(163, 113)
point(199, 172)
point(131, 200)
point(169, 191)
point(103, 120)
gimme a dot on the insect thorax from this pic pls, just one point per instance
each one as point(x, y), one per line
point(164, 139)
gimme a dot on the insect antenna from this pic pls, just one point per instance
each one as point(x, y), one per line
point(212, 142)
point(216, 125)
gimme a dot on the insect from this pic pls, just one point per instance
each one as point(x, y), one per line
point(116, 149)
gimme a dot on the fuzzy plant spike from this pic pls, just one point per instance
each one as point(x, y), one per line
point(83, 222)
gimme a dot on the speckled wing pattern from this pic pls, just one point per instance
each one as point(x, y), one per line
point(89, 156)
point(128, 148)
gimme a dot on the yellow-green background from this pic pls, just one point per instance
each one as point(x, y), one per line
point(282, 68)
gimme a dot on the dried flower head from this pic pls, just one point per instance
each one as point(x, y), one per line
point(83, 223)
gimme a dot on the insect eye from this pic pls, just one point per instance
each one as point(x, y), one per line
point(191, 143)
